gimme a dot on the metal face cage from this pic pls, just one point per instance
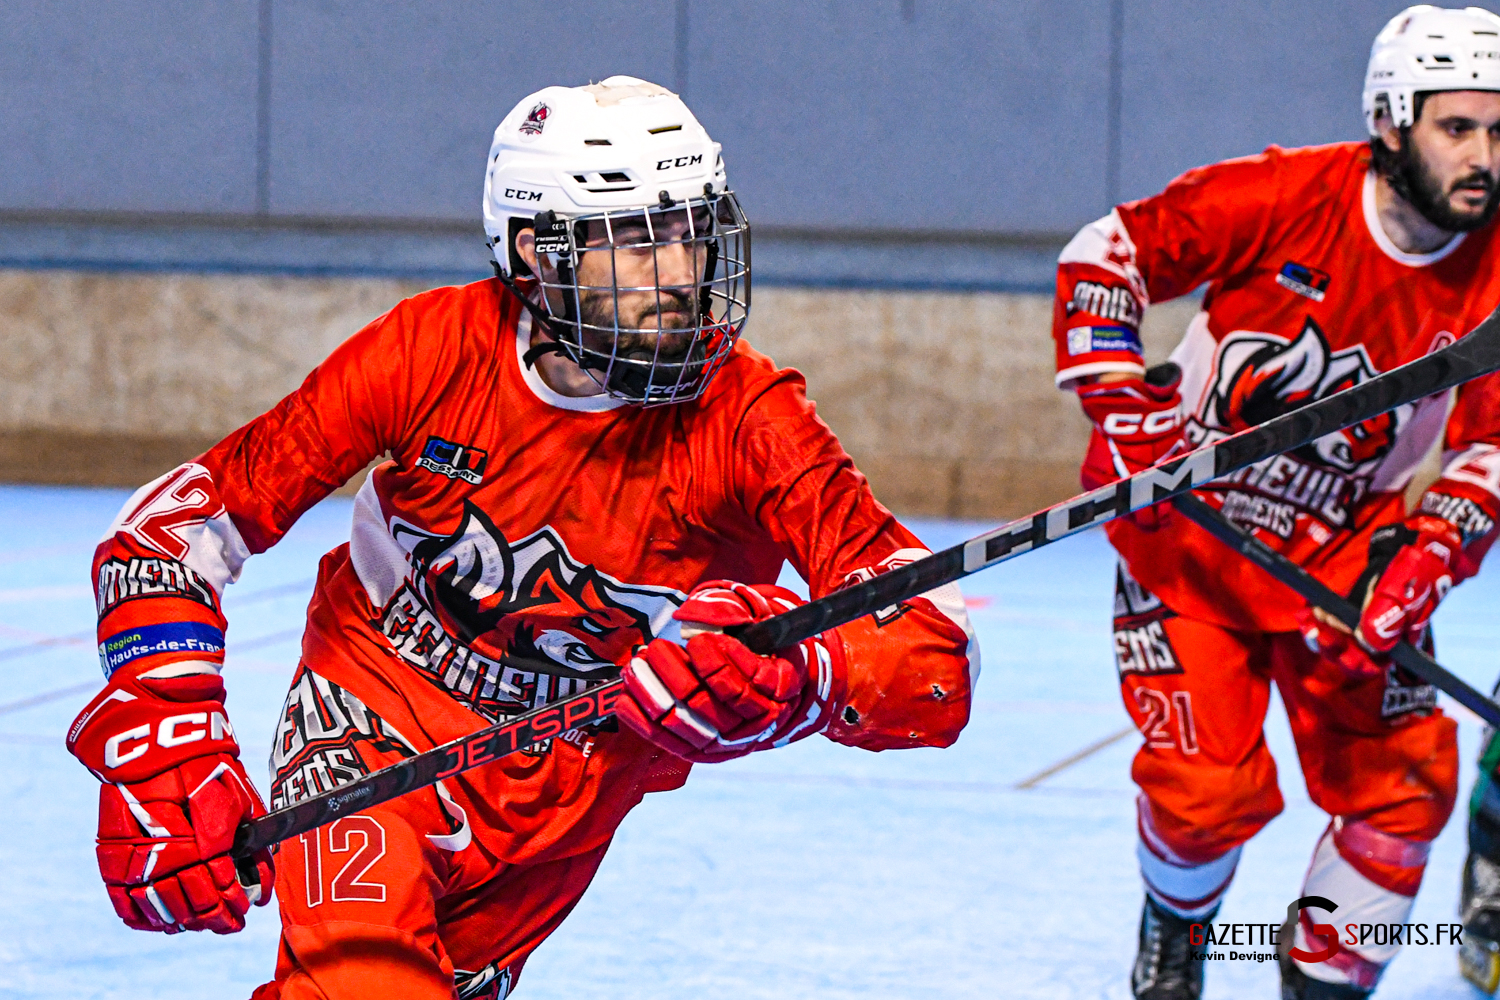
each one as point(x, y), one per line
point(648, 301)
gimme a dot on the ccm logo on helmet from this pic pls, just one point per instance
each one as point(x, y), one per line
point(520, 194)
point(1126, 424)
point(681, 161)
point(171, 732)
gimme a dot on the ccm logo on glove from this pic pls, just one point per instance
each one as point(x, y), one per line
point(1137, 422)
point(174, 792)
point(168, 734)
point(1145, 425)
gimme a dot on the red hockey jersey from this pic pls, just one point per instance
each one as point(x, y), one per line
point(1306, 295)
point(512, 520)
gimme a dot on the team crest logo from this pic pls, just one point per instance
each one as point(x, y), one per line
point(536, 119)
point(474, 596)
point(1260, 375)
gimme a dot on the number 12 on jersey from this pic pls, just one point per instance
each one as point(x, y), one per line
point(356, 841)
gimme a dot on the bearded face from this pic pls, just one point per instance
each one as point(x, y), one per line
point(654, 299)
point(645, 358)
point(650, 324)
point(1446, 164)
point(1418, 182)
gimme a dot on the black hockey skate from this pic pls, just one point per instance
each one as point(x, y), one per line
point(1479, 904)
point(1164, 968)
point(1298, 985)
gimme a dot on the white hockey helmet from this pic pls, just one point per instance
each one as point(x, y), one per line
point(574, 164)
point(1427, 48)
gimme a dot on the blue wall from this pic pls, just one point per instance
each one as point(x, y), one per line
point(300, 136)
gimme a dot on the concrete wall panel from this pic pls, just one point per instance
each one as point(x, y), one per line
point(1201, 86)
point(144, 106)
point(387, 110)
point(147, 355)
point(944, 400)
point(956, 116)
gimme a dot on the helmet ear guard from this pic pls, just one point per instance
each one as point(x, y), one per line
point(550, 236)
point(553, 238)
point(518, 265)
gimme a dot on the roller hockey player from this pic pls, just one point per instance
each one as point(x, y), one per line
point(1324, 267)
point(1479, 901)
point(587, 466)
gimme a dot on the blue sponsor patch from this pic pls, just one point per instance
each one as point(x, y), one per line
point(1303, 280)
point(170, 637)
point(1085, 339)
point(456, 461)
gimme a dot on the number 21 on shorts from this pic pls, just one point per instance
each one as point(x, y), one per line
point(1160, 712)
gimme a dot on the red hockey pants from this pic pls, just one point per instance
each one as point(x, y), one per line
point(372, 907)
point(1198, 693)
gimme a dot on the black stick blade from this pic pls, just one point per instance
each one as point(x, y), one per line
point(1319, 595)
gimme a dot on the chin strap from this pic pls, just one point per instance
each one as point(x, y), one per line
point(546, 347)
point(543, 321)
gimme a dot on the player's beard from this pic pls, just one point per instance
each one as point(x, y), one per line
point(673, 357)
point(1413, 181)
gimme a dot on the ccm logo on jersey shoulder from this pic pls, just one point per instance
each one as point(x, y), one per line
point(456, 461)
point(1303, 280)
point(173, 731)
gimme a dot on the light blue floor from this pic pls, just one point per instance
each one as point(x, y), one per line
point(815, 871)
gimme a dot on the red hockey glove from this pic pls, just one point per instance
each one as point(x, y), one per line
point(1329, 638)
point(174, 792)
point(1411, 567)
point(715, 699)
point(1419, 575)
point(1137, 422)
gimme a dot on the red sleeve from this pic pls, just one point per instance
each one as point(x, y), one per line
point(350, 410)
point(162, 567)
point(911, 669)
point(1209, 223)
point(1468, 492)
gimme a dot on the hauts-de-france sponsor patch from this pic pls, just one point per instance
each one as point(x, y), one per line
point(1086, 339)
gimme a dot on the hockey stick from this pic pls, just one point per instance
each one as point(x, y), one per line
point(1467, 358)
point(1320, 596)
